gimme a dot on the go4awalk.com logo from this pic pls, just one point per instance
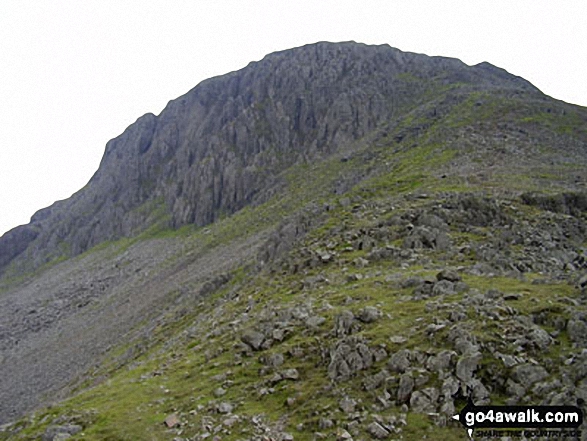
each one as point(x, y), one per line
point(534, 419)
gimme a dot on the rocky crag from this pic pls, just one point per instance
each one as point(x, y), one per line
point(337, 242)
point(223, 145)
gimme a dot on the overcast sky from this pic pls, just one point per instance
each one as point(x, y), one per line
point(74, 74)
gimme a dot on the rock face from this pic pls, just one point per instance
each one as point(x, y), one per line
point(222, 145)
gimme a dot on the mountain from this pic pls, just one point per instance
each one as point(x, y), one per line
point(339, 241)
point(223, 145)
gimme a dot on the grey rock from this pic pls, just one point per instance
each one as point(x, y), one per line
point(343, 435)
point(219, 148)
point(540, 338)
point(514, 390)
point(405, 388)
point(450, 275)
point(348, 357)
point(219, 392)
point(274, 360)
point(424, 237)
point(424, 401)
point(54, 433)
point(432, 221)
point(479, 393)
point(344, 323)
point(577, 330)
point(290, 374)
point(377, 431)
point(467, 365)
point(528, 374)
point(254, 339)
point(369, 314)
point(450, 388)
point(325, 423)
point(347, 405)
point(398, 339)
point(315, 321)
point(441, 361)
point(443, 287)
point(399, 361)
point(373, 382)
point(224, 408)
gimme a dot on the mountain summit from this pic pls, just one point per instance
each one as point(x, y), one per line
point(339, 241)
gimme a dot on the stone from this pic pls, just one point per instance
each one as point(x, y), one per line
point(397, 339)
point(373, 382)
point(443, 288)
point(441, 361)
point(230, 421)
point(325, 423)
point(347, 357)
point(467, 365)
point(343, 435)
point(406, 386)
point(55, 432)
point(254, 339)
point(347, 405)
point(424, 401)
point(377, 431)
point(369, 314)
point(577, 330)
point(528, 374)
point(425, 237)
point(290, 374)
point(513, 389)
point(479, 393)
point(343, 323)
point(219, 392)
point(449, 275)
point(172, 421)
point(399, 361)
point(540, 338)
point(274, 360)
point(224, 408)
point(315, 321)
point(450, 388)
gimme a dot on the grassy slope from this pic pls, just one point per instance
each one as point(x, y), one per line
point(191, 347)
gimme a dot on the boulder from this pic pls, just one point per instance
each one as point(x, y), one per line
point(348, 357)
point(450, 275)
point(347, 405)
point(399, 361)
point(343, 323)
point(528, 374)
point(377, 431)
point(424, 401)
point(577, 330)
point(369, 314)
point(406, 386)
point(253, 339)
point(467, 365)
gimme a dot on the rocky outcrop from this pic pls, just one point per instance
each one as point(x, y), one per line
point(223, 145)
point(15, 242)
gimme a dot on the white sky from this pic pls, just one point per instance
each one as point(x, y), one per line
point(74, 74)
